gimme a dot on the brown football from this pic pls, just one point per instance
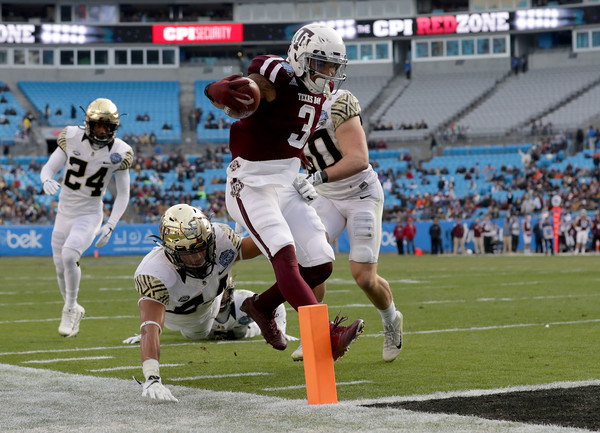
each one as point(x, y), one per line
point(252, 90)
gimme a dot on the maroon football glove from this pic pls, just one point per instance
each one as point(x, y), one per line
point(224, 92)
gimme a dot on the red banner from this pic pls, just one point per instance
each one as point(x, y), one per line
point(556, 225)
point(197, 33)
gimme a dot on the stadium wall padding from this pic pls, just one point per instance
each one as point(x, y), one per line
point(128, 239)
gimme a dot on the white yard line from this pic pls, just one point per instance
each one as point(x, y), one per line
point(219, 376)
point(129, 367)
point(50, 361)
point(283, 388)
point(441, 301)
point(205, 342)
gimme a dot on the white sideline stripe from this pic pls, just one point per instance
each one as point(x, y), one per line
point(219, 376)
point(482, 392)
point(118, 407)
point(50, 361)
point(204, 342)
point(129, 367)
point(283, 388)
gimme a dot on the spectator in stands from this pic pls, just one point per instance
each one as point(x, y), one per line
point(595, 228)
point(399, 237)
point(58, 112)
point(524, 64)
point(527, 227)
point(47, 111)
point(3, 99)
point(591, 136)
point(515, 231)
point(435, 233)
point(548, 234)
point(146, 117)
point(515, 63)
point(192, 120)
point(506, 235)
point(539, 236)
point(409, 231)
point(152, 138)
point(166, 126)
point(477, 229)
point(458, 237)
point(73, 112)
point(488, 235)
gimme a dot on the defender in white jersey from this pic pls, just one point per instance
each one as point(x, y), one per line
point(350, 196)
point(181, 283)
point(231, 323)
point(90, 156)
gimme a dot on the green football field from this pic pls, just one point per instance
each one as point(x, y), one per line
point(470, 322)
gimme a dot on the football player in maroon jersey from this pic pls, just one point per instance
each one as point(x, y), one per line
point(267, 149)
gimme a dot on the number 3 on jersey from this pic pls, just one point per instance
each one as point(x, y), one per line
point(298, 141)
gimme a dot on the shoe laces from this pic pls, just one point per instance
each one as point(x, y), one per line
point(338, 319)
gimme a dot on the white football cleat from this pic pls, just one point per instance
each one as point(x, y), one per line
point(392, 338)
point(71, 318)
point(297, 355)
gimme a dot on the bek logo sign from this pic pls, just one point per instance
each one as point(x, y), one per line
point(25, 240)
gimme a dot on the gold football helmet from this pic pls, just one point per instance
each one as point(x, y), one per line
point(104, 112)
point(189, 240)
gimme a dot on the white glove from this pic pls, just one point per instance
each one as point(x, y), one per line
point(105, 231)
point(306, 190)
point(51, 186)
point(154, 389)
point(133, 339)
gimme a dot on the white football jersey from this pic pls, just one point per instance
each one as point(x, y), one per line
point(157, 278)
point(323, 149)
point(88, 171)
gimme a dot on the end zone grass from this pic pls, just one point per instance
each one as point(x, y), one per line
point(470, 323)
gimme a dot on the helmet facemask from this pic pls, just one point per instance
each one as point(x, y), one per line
point(318, 73)
point(318, 56)
point(101, 112)
point(189, 240)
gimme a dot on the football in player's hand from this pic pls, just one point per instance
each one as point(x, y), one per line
point(252, 90)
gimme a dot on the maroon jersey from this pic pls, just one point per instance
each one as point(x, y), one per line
point(277, 129)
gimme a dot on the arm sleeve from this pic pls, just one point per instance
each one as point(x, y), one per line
point(122, 181)
point(55, 163)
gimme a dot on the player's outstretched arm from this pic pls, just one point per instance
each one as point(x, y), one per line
point(152, 319)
